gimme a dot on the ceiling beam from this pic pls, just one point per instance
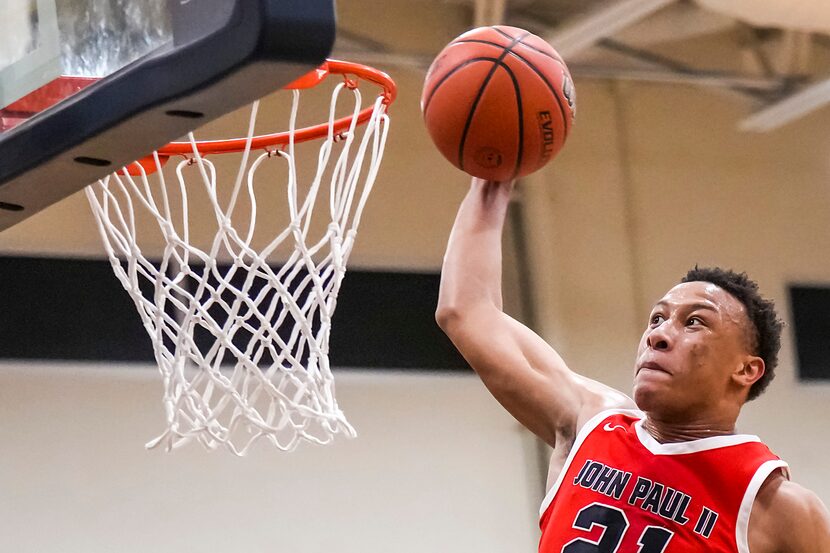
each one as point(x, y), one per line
point(709, 79)
point(613, 16)
point(488, 12)
point(794, 106)
point(677, 72)
point(690, 77)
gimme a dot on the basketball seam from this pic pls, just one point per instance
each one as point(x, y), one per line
point(484, 84)
point(553, 91)
point(501, 32)
point(520, 148)
point(555, 58)
point(565, 120)
point(479, 41)
point(497, 45)
point(448, 75)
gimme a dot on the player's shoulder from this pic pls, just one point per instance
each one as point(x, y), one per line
point(604, 401)
point(787, 498)
point(599, 402)
point(792, 517)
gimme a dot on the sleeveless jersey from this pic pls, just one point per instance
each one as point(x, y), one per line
point(621, 491)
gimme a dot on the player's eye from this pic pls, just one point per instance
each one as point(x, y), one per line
point(694, 321)
point(656, 320)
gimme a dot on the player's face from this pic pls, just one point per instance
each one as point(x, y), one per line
point(695, 339)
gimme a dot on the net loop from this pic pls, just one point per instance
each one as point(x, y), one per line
point(239, 314)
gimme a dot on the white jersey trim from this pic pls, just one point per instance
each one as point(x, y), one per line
point(589, 426)
point(761, 475)
point(692, 446)
point(656, 448)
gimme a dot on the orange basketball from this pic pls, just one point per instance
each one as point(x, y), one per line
point(498, 102)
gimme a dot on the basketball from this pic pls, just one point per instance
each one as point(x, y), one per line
point(498, 102)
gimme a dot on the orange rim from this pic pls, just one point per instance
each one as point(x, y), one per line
point(281, 139)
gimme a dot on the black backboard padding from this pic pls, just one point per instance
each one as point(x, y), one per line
point(810, 306)
point(67, 309)
point(387, 319)
point(76, 310)
point(263, 45)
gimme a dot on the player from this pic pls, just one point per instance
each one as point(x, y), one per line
point(663, 472)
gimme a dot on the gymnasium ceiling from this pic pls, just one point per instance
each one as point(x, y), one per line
point(775, 54)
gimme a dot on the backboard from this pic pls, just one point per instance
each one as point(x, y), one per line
point(87, 86)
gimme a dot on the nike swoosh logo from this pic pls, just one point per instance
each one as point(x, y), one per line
point(609, 428)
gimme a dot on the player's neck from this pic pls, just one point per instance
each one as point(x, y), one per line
point(665, 431)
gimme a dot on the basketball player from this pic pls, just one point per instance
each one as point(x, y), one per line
point(664, 472)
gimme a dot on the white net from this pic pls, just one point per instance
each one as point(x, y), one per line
point(243, 345)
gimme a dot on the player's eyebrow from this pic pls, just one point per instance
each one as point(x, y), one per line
point(690, 307)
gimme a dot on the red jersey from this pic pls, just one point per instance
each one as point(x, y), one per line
point(621, 491)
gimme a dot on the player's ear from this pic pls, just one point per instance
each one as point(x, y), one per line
point(750, 371)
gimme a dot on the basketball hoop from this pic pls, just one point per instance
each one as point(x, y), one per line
point(243, 346)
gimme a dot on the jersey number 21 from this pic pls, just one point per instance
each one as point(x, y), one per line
point(654, 539)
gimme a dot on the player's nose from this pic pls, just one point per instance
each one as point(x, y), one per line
point(659, 338)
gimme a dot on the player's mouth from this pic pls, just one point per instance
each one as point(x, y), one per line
point(652, 366)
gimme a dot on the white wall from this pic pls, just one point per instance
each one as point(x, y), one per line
point(437, 466)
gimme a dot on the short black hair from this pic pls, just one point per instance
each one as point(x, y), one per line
point(766, 331)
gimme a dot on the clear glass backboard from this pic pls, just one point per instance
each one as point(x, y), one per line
point(50, 50)
point(88, 86)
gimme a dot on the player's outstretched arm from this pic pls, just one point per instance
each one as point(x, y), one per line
point(522, 371)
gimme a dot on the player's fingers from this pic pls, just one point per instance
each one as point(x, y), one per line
point(476, 181)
